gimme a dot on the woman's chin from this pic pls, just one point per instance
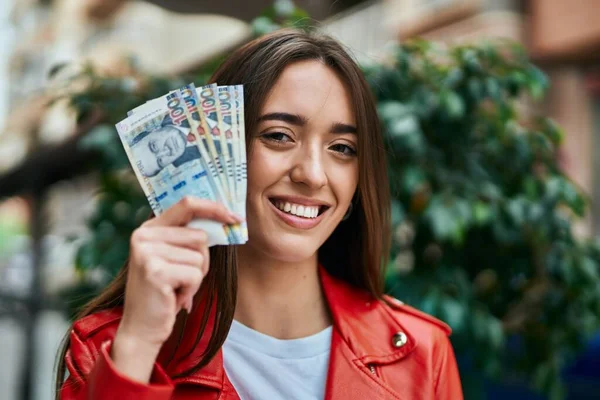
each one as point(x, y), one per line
point(288, 248)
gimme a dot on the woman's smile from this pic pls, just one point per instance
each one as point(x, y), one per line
point(298, 212)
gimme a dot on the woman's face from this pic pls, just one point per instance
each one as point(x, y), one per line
point(303, 169)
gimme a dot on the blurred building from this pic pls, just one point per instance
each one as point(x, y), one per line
point(564, 39)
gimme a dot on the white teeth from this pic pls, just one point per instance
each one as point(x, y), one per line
point(297, 209)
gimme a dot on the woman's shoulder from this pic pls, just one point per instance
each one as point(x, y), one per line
point(426, 337)
point(86, 338)
point(422, 341)
point(358, 307)
point(88, 333)
point(98, 322)
point(414, 318)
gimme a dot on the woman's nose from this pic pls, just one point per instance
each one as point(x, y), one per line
point(309, 169)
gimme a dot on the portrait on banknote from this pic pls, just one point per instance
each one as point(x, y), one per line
point(165, 145)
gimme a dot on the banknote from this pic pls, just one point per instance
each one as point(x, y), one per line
point(239, 131)
point(164, 153)
point(208, 149)
point(205, 111)
point(226, 105)
point(209, 103)
point(191, 141)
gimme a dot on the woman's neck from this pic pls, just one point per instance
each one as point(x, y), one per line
point(280, 299)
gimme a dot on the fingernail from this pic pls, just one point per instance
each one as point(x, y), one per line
point(189, 306)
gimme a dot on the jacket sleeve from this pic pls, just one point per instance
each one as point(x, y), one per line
point(93, 376)
point(447, 379)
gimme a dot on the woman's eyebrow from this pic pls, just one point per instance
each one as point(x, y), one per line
point(300, 120)
point(293, 119)
point(338, 127)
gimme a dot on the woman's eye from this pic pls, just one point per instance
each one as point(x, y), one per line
point(343, 149)
point(277, 137)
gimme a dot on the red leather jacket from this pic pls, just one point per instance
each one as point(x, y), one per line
point(379, 350)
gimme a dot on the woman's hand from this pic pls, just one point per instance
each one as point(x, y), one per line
point(167, 264)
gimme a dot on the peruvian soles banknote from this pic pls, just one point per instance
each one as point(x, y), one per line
point(191, 142)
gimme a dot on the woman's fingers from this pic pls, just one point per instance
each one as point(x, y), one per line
point(177, 236)
point(190, 208)
point(186, 281)
point(206, 264)
point(177, 255)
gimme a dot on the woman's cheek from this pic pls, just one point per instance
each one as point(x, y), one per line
point(265, 163)
point(344, 179)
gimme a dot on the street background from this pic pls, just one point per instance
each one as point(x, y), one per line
point(499, 242)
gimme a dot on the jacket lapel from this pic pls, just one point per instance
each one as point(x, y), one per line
point(349, 378)
point(362, 338)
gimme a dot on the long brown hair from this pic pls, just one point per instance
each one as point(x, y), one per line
point(357, 250)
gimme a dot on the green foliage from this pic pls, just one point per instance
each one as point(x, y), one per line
point(482, 213)
point(282, 14)
point(485, 241)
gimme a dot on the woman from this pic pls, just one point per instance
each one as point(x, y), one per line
point(296, 313)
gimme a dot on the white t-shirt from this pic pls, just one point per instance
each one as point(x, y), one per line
point(263, 367)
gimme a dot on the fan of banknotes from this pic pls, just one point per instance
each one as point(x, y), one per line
point(191, 141)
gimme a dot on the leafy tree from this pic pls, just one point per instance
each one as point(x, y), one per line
point(482, 213)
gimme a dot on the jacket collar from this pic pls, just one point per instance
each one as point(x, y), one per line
point(365, 324)
point(363, 332)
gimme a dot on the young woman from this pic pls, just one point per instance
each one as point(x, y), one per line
point(296, 313)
